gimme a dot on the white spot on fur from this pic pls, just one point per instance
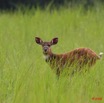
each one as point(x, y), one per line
point(46, 57)
point(100, 54)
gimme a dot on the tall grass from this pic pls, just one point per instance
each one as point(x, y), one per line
point(24, 75)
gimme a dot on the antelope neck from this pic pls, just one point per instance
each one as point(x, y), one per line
point(49, 57)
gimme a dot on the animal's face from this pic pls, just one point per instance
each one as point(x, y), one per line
point(46, 46)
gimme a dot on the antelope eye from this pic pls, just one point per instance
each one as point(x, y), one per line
point(49, 45)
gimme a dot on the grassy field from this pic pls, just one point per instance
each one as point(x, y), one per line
point(24, 75)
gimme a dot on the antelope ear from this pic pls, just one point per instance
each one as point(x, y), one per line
point(38, 40)
point(54, 41)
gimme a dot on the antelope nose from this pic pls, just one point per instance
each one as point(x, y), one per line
point(45, 49)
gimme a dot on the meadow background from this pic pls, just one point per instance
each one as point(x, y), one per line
point(24, 75)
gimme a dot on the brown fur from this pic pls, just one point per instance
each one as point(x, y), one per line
point(79, 57)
